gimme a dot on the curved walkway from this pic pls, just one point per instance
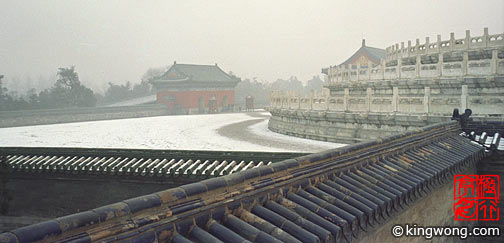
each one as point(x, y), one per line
point(255, 131)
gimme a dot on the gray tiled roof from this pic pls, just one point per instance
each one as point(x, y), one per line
point(198, 73)
point(374, 53)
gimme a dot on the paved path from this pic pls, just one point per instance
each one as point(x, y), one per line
point(255, 131)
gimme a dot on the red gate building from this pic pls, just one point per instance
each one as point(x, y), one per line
point(193, 89)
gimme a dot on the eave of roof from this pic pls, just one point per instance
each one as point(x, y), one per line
point(374, 53)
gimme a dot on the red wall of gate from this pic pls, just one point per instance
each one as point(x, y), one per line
point(191, 99)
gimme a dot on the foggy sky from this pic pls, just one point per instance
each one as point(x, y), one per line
point(116, 41)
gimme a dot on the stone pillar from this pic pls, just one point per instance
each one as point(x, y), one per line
point(463, 99)
point(467, 39)
point(427, 44)
point(345, 99)
point(464, 63)
point(426, 99)
point(395, 98)
point(485, 37)
point(438, 43)
point(417, 46)
point(452, 40)
point(417, 66)
point(369, 94)
point(440, 64)
point(494, 63)
point(409, 49)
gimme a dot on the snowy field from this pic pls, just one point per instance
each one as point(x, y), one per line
point(195, 132)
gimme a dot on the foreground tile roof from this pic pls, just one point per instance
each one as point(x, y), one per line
point(324, 197)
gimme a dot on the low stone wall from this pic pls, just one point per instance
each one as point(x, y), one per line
point(345, 127)
point(42, 117)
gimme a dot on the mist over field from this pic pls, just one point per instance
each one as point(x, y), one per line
point(118, 41)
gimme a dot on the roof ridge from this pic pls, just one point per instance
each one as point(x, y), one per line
point(187, 64)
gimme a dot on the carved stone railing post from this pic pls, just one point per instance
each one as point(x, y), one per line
point(395, 98)
point(452, 40)
point(417, 47)
point(427, 44)
point(345, 98)
point(426, 99)
point(438, 43)
point(417, 66)
point(409, 48)
point(464, 63)
point(463, 98)
point(485, 37)
point(440, 64)
point(467, 39)
point(402, 49)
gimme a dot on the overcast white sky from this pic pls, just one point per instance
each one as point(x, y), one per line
point(115, 41)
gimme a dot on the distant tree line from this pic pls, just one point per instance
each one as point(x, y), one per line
point(67, 91)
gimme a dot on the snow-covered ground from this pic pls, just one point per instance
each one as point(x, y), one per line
point(195, 132)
